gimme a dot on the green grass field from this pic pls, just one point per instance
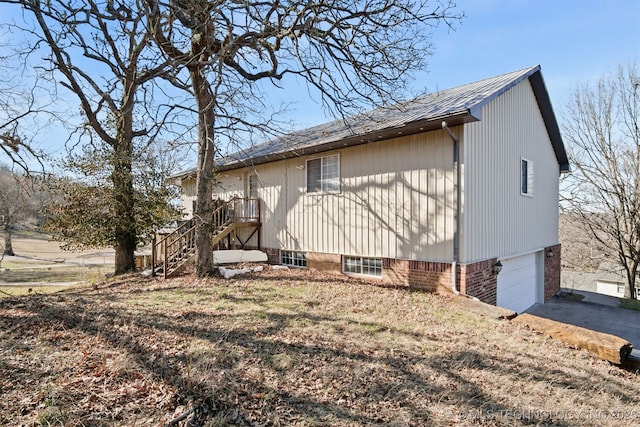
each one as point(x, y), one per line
point(42, 267)
point(52, 274)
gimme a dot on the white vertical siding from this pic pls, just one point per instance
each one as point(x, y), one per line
point(187, 196)
point(497, 219)
point(395, 200)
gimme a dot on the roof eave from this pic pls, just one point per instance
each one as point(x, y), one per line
point(181, 176)
point(411, 128)
point(549, 118)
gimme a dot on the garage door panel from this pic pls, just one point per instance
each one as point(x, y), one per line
point(517, 283)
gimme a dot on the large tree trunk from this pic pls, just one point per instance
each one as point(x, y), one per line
point(632, 275)
point(204, 180)
point(8, 247)
point(126, 236)
point(125, 227)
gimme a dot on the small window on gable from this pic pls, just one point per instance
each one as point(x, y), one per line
point(323, 174)
point(526, 177)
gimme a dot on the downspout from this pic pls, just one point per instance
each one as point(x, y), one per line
point(456, 231)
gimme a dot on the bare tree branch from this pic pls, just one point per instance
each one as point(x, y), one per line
point(102, 52)
point(602, 130)
point(356, 54)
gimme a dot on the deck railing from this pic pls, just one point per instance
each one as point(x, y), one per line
point(173, 251)
point(246, 209)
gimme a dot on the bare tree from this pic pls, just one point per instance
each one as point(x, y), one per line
point(15, 148)
point(354, 54)
point(17, 105)
point(101, 52)
point(602, 128)
point(580, 252)
point(18, 204)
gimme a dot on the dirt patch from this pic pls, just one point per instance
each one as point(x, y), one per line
point(289, 348)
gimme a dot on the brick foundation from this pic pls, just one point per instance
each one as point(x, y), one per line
point(552, 268)
point(479, 280)
point(476, 279)
point(330, 263)
point(273, 255)
point(424, 275)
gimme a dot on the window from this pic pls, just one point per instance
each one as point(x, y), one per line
point(526, 177)
point(366, 266)
point(252, 206)
point(323, 174)
point(294, 259)
point(252, 189)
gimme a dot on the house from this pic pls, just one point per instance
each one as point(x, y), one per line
point(611, 279)
point(608, 279)
point(455, 191)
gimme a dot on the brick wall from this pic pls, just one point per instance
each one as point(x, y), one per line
point(395, 271)
point(479, 280)
point(424, 275)
point(552, 272)
point(273, 255)
point(476, 279)
point(330, 263)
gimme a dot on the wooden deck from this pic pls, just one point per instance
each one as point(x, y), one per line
point(173, 252)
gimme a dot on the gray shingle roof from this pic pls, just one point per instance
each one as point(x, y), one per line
point(457, 105)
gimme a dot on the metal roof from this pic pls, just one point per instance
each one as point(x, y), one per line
point(457, 105)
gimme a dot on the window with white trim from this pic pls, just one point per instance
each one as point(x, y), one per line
point(526, 177)
point(365, 266)
point(323, 174)
point(252, 185)
point(294, 259)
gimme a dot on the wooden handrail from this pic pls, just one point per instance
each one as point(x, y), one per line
point(179, 245)
point(246, 209)
point(173, 245)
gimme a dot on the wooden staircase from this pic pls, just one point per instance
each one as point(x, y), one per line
point(173, 253)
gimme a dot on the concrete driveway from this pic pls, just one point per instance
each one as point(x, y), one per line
point(596, 312)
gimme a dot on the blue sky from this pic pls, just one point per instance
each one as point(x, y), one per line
point(574, 41)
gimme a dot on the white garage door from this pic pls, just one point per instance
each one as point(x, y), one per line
point(518, 283)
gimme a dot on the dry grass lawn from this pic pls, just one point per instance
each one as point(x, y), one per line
point(290, 348)
point(40, 263)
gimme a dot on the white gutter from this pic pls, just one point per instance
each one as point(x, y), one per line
point(456, 234)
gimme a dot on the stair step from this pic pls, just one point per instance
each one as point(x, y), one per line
point(185, 246)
